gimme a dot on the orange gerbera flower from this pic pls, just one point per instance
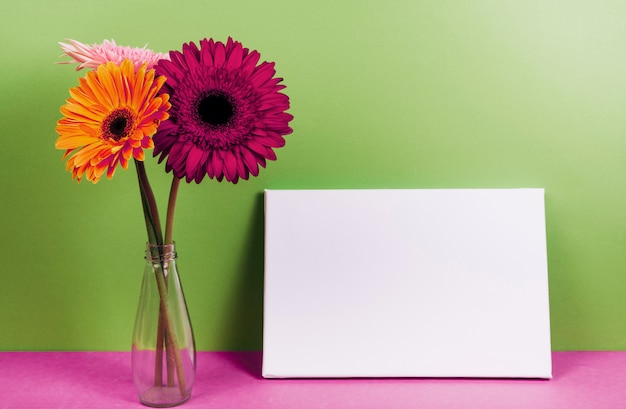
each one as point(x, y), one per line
point(110, 118)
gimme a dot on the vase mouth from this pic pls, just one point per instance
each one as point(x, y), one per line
point(160, 252)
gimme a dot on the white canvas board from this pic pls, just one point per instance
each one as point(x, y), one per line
point(406, 283)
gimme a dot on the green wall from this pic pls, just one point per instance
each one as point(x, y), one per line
point(385, 94)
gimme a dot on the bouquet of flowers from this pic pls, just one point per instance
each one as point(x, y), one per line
point(207, 110)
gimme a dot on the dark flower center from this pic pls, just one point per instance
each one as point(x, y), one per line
point(119, 124)
point(215, 109)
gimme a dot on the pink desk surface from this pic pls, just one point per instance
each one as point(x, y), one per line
point(59, 380)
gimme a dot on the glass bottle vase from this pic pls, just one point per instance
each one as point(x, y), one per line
point(163, 351)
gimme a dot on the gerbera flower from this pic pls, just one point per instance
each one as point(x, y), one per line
point(91, 56)
point(227, 113)
point(110, 119)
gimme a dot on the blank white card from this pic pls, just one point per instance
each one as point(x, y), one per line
point(406, 283)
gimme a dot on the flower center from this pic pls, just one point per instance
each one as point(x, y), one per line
point(118, 125)
point(215, 109)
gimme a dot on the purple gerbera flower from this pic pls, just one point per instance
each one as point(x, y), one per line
point(227, 113)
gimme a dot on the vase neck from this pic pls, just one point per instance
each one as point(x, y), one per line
point(156, 253)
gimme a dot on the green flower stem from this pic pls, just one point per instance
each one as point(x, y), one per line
point(171, 207)
point(149, 205)
point(170, 337)
point(169, 226)
point(155, 236)
point(158, 357)
point(150, 212)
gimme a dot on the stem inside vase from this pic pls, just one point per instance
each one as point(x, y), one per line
point(163, 332)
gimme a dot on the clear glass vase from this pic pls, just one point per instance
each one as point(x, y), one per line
point(163, 352)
